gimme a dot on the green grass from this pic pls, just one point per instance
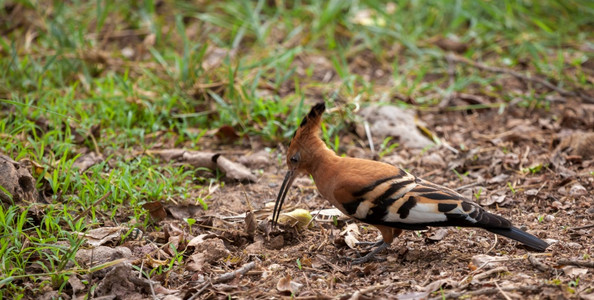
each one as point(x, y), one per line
point(252, 65)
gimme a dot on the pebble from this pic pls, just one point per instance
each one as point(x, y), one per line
point(577, 190)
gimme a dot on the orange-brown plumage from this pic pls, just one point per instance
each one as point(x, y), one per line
point(383, 195)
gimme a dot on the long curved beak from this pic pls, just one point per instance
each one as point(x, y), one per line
point(282, 194)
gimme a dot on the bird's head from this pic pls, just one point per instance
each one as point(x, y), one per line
point(301, 153)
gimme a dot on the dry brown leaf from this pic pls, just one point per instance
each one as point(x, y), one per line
point(439, 234)
point(351, 233)
point(250, 223)
point(285, 284)
point(227, 134)
point(103, 235)
point(572, 271)
point(156, 210)
point(86, 161)
point(451, 44)
point(485, 261)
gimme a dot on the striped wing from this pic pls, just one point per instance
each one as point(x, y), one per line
point(407, 202)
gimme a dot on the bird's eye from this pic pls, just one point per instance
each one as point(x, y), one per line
point(295, 158)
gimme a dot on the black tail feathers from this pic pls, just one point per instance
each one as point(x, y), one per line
point(522, 237)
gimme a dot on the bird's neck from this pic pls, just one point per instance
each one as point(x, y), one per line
point(322, 162)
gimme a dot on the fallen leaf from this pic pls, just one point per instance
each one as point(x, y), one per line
point(328, 215)
point(285, 284)
point(85, 161)
point(199, 239)
point(351, 234)
point(485, 261)
point(499, 178)
point(572, 271)
point(250, 223)
point(156, 210)
point(227, 134)
point(298, 217)
point(413, 296)
point(451, 44)
point(103, 235)
point(439, 234)
point(102, 254)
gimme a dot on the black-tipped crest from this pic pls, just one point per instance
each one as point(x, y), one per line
point(316, 111)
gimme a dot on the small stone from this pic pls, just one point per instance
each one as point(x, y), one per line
point(549, 218)
point(255, 248)
point(577, 190)
point(274, 267)
point(433, 160)
point(277, 242)
point(574, 245)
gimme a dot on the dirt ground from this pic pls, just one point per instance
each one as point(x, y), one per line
point(531, 165)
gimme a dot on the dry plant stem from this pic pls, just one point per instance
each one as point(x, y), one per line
point(358, 294)
point(486, 291)
point(562, 91)
point(368, 133)
point(538, 264)
point(494, 244)
point(489, 273)
point(583, 227)
point(225, 277)
point(587, 264)
point(317, 297)
point(86, 211)
point(501, 291)
point(228, 276)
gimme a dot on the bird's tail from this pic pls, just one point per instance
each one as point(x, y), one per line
point(522, 237)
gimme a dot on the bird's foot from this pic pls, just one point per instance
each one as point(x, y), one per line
point(370, 256)
point(369, 245)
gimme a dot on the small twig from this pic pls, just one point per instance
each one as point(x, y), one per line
point(313, 218)
point(582, 227)
point(316, 297)
point(494, 244)
point(335, 267)
point(368, 133)
point(538, 264)
point(451, 81)
point(225, 277)
point(86, 211)
point(489, 273)
point(587, 264)
point(204, 286)
point(562, 91)
point(468, 185)
point(487, 291)
point(150, 282)
point(501, 291)
point(230, 275)
point(357, 294)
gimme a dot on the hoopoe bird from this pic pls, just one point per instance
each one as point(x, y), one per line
point(383, 195)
